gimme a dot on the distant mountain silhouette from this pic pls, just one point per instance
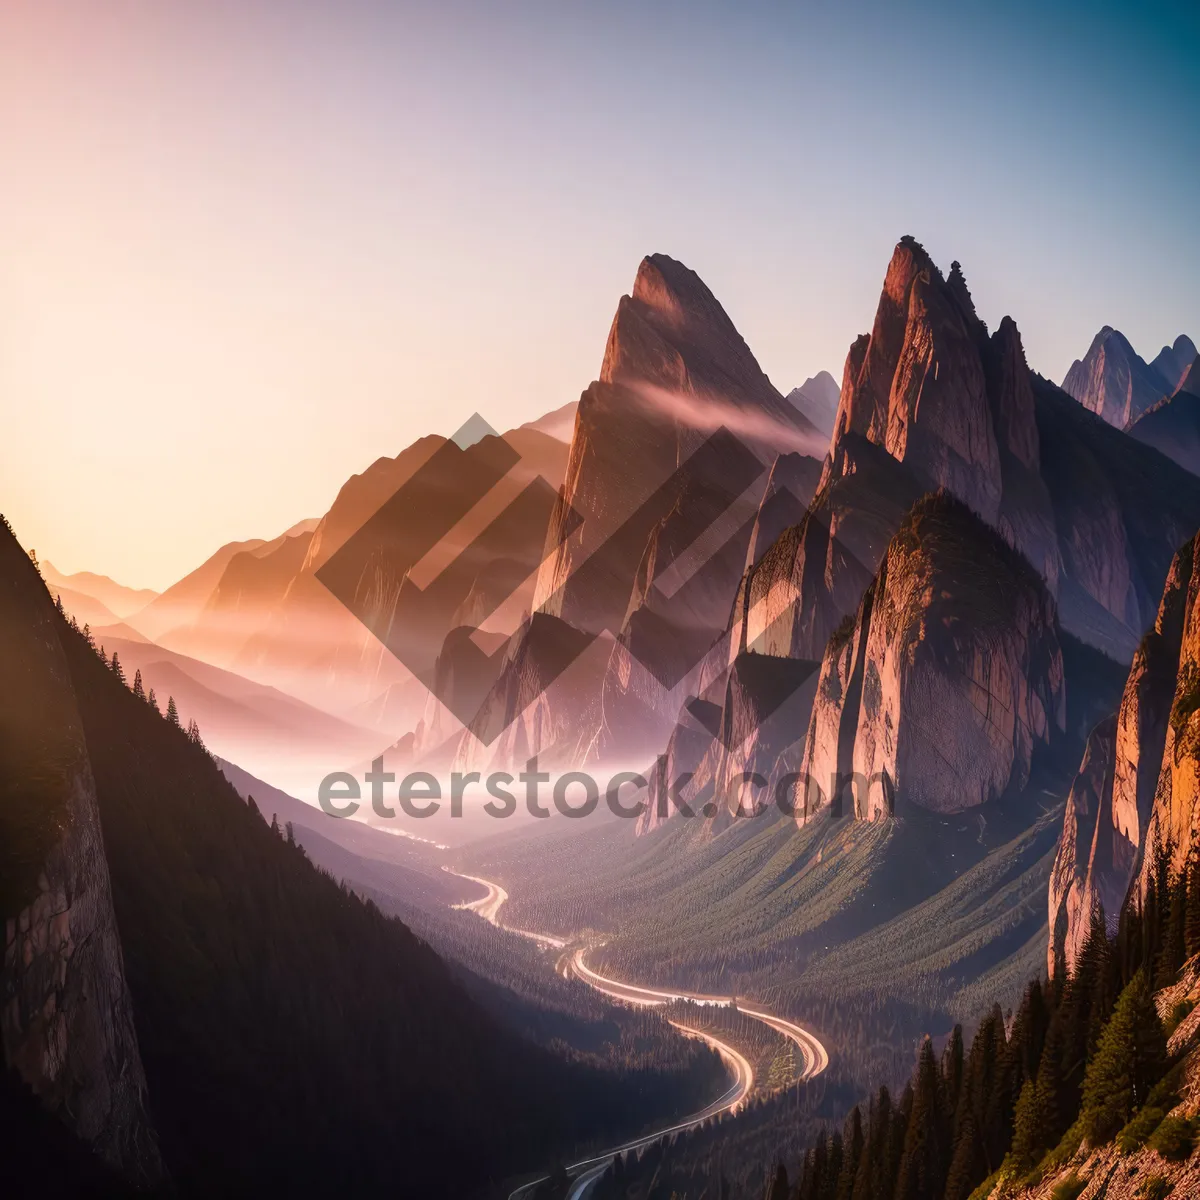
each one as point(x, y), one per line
point(120, 600)
point(817, 399)
point(1116, 383)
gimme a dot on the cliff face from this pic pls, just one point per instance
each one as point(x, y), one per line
point(1113, 381)
point(1174, 826)
point(946, 680)
point(930, 399)
point(66, 1020)
point(1125, 794)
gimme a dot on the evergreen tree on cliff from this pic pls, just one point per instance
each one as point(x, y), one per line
point(1129, 1060)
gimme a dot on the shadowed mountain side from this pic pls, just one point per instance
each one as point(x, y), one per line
point(1172, 426)
point(267, 729)
point(237, 951)
point(1121, 510)
point(1172, 362)
point(66, 1020)
point(409, 870)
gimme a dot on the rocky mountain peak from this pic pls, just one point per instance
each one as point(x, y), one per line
point(918, 387)
point(1113, 380)
point(671, 332)
point(1012, 395)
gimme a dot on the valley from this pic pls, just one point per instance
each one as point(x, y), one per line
point(571, 963)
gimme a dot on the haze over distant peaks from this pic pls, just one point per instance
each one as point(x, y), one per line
point(558, 423)
point(817, 398)
point(120, 600)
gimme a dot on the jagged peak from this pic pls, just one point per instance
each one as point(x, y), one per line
point(669, 291)
point(673, 332)
point(1008, 337)
point(909, 261)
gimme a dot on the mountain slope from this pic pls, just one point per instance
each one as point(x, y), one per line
point(1172, 426)
point(67, 1029)
point(316, 1041)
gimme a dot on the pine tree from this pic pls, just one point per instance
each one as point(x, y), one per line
point(833, 1168)
point(152, 699)
point(852, 1152)
point(993, 1106)
point(779, 1185)
point(967, 1169)
point(1057, 1101)
point(116, 668)
point(925, 1159)
point(172, 711)
point(1028, 1128)
point(103, 656)
point(1130, 1058)
point(952, 1070)
point(58, 605)
point(1173, 950)
point(138, 689)
point(868, 1182)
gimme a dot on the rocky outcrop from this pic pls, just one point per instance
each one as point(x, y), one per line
point(950, 674)
point(920, 391)
point(1075, 879)
point(66, 1020)
point(1113, 381)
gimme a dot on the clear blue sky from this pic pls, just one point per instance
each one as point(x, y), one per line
point(249, 245)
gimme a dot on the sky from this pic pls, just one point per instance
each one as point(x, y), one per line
point(249, 246)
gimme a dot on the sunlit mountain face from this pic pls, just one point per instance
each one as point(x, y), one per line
point(585, 613)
